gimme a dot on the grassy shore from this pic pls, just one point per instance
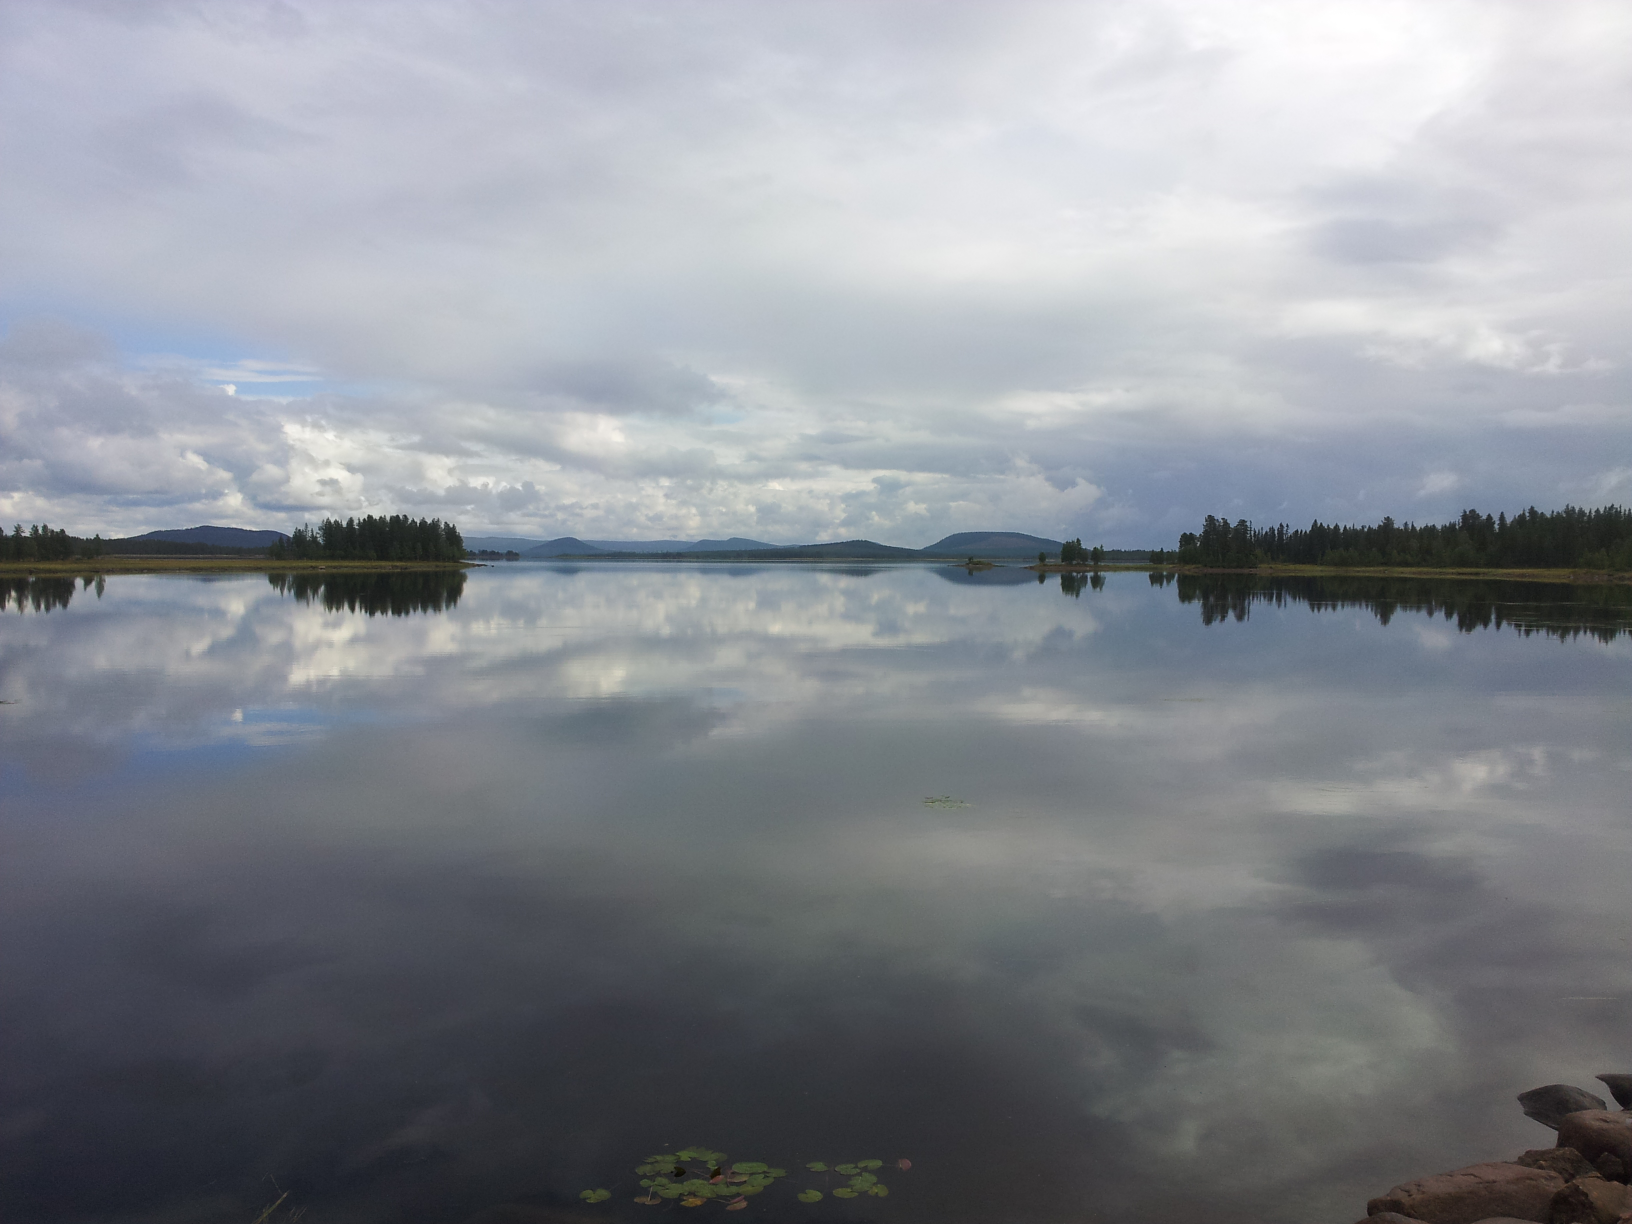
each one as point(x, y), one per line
point(1578, 577)
point(211, 565)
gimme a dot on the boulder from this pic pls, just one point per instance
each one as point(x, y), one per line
point(1566, 1162)
point(1478, 1192)
point(1552, 1103)
point(1589, 1200)
point(1598, 1132)
point(1611, 1168)
point(1620, 1087)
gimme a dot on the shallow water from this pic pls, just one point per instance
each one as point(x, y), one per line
point(1236, 902)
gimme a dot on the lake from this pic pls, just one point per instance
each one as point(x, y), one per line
point(1213, 899)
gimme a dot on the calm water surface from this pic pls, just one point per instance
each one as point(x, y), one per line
point(1235, 903)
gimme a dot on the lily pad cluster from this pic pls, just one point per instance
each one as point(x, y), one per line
point(862, 1180)
point(697, 1175)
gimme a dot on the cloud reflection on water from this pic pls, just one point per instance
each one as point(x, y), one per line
point(1249, 918)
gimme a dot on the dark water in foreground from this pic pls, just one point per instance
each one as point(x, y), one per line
point(1238, 903)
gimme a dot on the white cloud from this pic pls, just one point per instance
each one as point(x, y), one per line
point(657, 261)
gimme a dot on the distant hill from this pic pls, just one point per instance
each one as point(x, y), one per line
point(997, 545)
point(565, 546)
point(216, 537)
point(734, 544)
point(991, 544)
point(501, 543)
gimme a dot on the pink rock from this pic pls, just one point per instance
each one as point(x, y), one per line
point(1590, 1200)
point(1598, 1132)
point(1478, 1192)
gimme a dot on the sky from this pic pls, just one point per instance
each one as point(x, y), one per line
point(812, 271)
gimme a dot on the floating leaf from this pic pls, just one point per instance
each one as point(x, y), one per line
point(691, 1200)
point(776, 1172)
point(862, 1180)
point(750, 1166)
point(903, 1164)
point(816, 1166)
point(736, 1205)
point(662, 1158)
point(650, 1200)
point(810, 1196)
point(716, 1179)
point(750, 1188)
point(846, 1169)
point(737, 1178)
point(869, 1164)
point(595, 1196)
point(881, 1190)
point(844, 1192)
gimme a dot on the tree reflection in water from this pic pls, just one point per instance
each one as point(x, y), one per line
point(375, 594)
point(38, 594)
point(1561, 610)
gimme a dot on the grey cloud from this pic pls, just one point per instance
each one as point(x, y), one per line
point(656, 260)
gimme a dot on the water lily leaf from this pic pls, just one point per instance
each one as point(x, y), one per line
point(862, 1180)
point(844, 1192)
point(736, 1206)
point(716, 1179)
point(595, 1196)
point(662, 1158)
point(810, 1196)
point(903, 1164)
point(881, 1190)
point(749, 1166)
point(846, 1169)
point(650, 1200)
point(869, 1164)
point(750, 1188)
point(776, 1172)
point(691, 1200)
point(816, 1166)
point(736, 1178)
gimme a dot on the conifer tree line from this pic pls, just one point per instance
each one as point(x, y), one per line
point(41, 543)
point(371, 538)
point(1073, 553)
point(1571, 538)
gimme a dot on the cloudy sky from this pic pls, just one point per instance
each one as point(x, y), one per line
point(812, 270)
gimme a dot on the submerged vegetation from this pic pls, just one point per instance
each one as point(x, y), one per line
point(1571, 538)
point(371, 538)
point(695, 1176)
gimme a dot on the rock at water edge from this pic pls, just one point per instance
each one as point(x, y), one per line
point(1478, 1192)
point(1552, 1103)
point(1589, 1200)
point(1598, 1132)
point(1620, 1087)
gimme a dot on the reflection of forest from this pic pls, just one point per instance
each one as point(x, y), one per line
point(40, 594)
point(1558, 609)
point(394, 594)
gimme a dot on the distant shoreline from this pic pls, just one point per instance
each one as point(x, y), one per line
point(1573, 577)
point(260, 565)
point(210, 565)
